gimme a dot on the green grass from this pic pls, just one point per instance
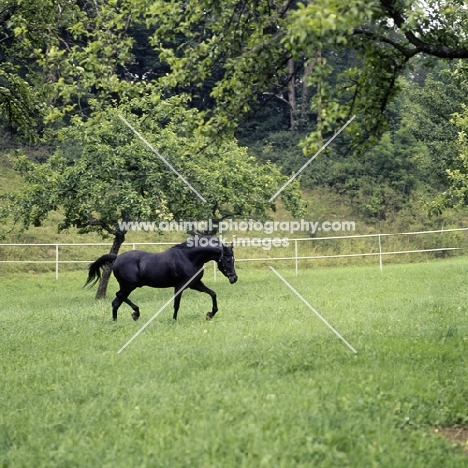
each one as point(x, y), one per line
point(263, 384)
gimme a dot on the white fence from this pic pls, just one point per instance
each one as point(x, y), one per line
point(295, 258)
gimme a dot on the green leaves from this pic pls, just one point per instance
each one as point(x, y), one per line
point(219, 61)
point(66, 54)
point(457, 193)
point(103, 173)
point(323, 24)
point(242, 51)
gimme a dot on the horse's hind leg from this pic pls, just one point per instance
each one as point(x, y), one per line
point(136, 310)
point(202, 288)
point(177, 298)
point(122, 296)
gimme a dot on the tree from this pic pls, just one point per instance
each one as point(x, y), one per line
point(56, 55)
point(226, 57)
point(25, 29)
point(456, 194)
point(456, 182)
point(430, 103)
point(102, 174)
point(253, 43)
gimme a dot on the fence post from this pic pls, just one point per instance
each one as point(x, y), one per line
point(56, 261)
point(380, 254)
point(296, 259)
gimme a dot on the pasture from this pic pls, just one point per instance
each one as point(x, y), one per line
point(265, 383)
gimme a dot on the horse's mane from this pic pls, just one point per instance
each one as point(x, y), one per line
point(185, 244)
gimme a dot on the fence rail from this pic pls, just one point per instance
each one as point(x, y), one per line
point(296, 258)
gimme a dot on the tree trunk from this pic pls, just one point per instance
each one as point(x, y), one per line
point(304, 103)
point(318, 58)
point(292, 94)
point(106, 271)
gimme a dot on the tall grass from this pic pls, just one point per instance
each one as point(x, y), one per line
point(263, 384)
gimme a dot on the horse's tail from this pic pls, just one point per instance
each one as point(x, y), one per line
point(94, 268)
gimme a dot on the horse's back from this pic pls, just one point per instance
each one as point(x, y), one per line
point(139, 268)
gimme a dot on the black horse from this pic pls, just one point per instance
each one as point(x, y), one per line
point(176, 267)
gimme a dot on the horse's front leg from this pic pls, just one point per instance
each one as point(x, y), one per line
point(202, 288)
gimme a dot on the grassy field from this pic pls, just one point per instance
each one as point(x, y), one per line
point(263, 384)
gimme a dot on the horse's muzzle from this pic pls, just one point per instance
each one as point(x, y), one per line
point(232, 279)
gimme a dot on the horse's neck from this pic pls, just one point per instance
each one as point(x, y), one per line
point(204, 254)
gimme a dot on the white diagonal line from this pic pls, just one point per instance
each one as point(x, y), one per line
point(163, 159)
point(313, 310)
point(160, 310)
point(312, 158)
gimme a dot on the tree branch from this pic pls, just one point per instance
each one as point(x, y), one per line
point(408, 53)
point(440, 51)
point(281, 98)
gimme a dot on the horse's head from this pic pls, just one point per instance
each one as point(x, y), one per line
point(226, 263)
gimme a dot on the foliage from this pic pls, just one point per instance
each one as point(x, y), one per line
point(25, 29)
point(377, 183)
point(103, 173)
point(455, 167)
point(381, 182)
point(225, 58)
point(430, 101)
point(56, 55)
point(90, 60)
point(339, 58)
point(456, 194)
point(252, 42)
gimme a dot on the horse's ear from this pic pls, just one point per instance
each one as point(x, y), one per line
point(232, 245)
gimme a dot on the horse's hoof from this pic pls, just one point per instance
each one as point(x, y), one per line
point(135, 316)
point(209, 316)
